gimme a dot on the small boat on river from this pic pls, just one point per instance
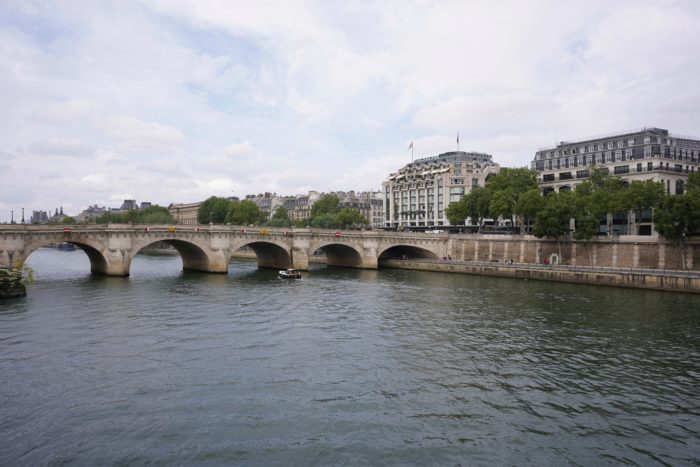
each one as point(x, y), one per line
point(64, 246)
point(290, 273)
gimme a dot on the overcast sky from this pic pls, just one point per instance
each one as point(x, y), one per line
point(174, 101)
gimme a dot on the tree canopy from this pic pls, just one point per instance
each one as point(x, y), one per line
point(500, 197)
point(150, 215)
point(326, 204)
point(245, 212)
point(214, 210)
point(326, 213)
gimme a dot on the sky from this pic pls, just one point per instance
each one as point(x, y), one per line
point(172, 101)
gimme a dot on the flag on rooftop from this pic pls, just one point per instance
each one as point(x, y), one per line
point(410, 146)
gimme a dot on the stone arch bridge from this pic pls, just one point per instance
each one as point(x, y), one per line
point(209, 248)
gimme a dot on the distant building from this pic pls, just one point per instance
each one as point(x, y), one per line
point(376, 218)
point(39, 217)
point(145, 205)
point(128, 204)
point(417, 195)
point(91, 213)
point(185, 213)
point(58, 216)
point(646, 154)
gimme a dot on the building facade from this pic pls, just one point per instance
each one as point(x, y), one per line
point(185, 213)
point(645, 154)
point(417, 195)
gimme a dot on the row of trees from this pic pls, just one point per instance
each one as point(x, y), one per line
point(509, 194)
point(225, 211)
point(325, 213)
point(514, 193)
point(149, 215)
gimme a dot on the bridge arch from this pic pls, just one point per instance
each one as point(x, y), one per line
point(270, 254)
point(193, 256)
point(93, 250)
point(407, 252)
point(338, 254)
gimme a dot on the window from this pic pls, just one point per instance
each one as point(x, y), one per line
point(639, 167)
point(679, 187)
point(565, 176)
point(582, 174)
point(621, 169)
point(548, 177)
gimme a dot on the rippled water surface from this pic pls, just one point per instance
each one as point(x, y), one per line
point(345, 367)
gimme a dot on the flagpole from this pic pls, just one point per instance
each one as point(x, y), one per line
point(457, 140)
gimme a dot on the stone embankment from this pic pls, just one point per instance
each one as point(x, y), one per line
point(668, 280)
point(11, 284)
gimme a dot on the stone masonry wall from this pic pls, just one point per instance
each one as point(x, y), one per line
point(619, 252)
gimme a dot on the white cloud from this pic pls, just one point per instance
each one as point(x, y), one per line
point(133, 131)
point(61, 147)
point(178, 100)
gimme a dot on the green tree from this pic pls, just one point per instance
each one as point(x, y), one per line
point(693, 183)
point(152, 215)
point(324, 221)
point(113, 217)
point(553, 220)
point(594, 199)
point(479, 205)
point(456, 211)
point(507, 187)
point(520, 180)
point(280, 218)
point(475, 205)
point(326, 204)
point(528, 205)
point(641, 195)
point(678, 216)
point(213, 209)
point(245, 212)
point(68, 220)
point(348, 217)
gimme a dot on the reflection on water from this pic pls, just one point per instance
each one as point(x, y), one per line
point(343, 367)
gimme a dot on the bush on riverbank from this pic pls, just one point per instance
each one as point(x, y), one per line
point(11, 283)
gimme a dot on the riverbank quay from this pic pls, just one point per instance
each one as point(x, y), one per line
point(666, 280)
point(11, 284)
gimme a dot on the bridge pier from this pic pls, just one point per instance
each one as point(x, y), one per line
point(300, 258)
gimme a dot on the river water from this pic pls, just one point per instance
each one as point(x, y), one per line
point(345, 367)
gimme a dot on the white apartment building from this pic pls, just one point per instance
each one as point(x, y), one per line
point(645, 154)
point(417, 195)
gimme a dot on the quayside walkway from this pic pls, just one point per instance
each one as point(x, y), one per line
point(667, 280)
